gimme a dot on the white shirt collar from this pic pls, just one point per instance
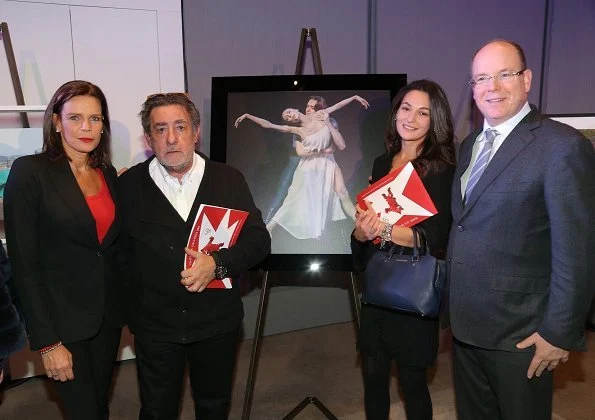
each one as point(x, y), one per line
point(507, 126)
point(180, 195)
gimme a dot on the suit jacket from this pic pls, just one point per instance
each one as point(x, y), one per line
point(520, 250)
point(154, 237)
point(66, 280)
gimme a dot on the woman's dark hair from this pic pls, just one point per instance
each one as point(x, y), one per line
point(52, 140)
point(437, 150)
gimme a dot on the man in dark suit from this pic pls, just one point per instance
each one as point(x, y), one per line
point(175, 318)
point(520, 247)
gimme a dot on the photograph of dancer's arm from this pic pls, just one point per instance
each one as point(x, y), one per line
point(347, 101)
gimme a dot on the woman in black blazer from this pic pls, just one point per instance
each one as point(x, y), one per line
point(62, 222)
point(421, 132)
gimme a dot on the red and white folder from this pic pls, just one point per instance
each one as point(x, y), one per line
point(214, 228)
point(399, 198)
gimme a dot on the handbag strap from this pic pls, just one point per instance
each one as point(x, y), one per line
point(420, 247)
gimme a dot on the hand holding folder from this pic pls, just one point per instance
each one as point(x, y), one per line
point(399, 198)
point(214, 228)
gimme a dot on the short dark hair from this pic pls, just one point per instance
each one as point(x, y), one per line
point(52, 140)
point(513, 44)
point(320, 102)
point(437, 149)
point(165, 99)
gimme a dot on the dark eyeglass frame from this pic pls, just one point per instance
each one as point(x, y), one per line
point(504, 76)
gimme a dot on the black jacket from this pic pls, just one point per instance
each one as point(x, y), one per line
point(65, 279)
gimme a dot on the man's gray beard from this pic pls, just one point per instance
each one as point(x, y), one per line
point(178, 169)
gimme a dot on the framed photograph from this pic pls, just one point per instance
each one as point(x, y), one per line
point(303, 175)
point(585, 123)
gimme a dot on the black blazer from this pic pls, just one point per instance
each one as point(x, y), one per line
point(65, 279)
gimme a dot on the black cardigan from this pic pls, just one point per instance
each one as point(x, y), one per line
point(153, 240)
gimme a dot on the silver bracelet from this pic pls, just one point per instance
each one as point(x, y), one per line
point(386, 235)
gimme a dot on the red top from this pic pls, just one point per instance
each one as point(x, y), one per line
point(102, 207)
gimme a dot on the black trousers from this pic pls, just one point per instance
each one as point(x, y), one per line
point(493, 385)
point(161, 365)
point(86, 396)
point(413, 383)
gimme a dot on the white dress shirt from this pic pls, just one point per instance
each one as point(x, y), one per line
point(503, 130)
point(181, 195)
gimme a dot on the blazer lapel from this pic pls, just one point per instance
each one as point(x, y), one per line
point(114, 230)
point(69, 191)
point(516, 141)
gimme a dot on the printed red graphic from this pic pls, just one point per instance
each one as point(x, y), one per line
point(392, 203)
point(211, 247)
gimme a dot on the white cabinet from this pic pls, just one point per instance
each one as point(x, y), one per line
point(129, 48)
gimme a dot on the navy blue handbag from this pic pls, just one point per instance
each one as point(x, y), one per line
point(408, 283)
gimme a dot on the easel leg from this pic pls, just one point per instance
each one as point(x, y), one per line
point(14, 73)
point(310, 400)
point(356, 303)
point(315, 51)
point(258, 329)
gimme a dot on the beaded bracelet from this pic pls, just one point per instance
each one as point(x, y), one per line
point(50, 348)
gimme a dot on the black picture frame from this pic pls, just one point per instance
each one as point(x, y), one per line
point(254, 152)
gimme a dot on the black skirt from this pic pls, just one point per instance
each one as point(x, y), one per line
point(409, 339)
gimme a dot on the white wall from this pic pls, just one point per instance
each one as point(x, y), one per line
point(129, 48)
point(234, 38)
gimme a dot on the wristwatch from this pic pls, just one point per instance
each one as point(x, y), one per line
point(221, 271)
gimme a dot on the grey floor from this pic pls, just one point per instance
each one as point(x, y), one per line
point(320, 362)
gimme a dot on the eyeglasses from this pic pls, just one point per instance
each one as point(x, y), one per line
point(505, 76)
point(166, 94)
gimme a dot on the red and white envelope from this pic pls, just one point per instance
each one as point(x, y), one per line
point(214, 228)
point(399, 198)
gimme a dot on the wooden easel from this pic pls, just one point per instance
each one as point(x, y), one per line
point(307, 34)
point(14, 74)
